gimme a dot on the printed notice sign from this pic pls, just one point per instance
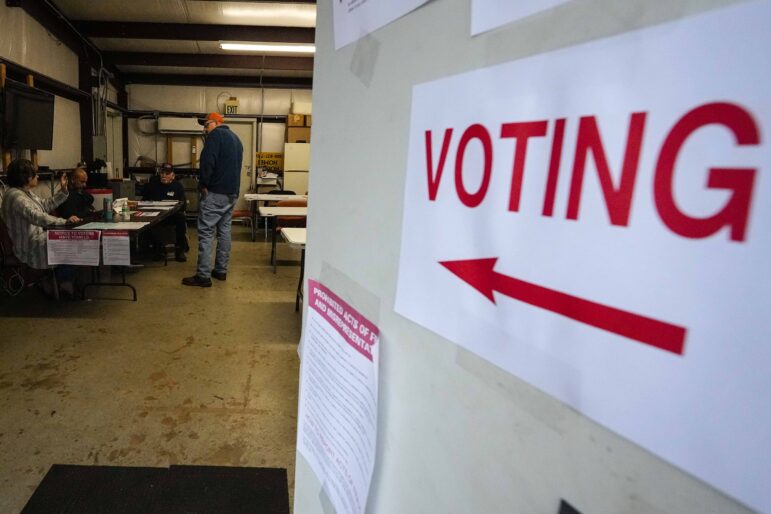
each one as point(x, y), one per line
point(116, 248)
point(597, 221)
point(76, 247)
point(491, 14)
point(337, 421)
point(354, 19)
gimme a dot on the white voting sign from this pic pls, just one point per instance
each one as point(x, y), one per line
point(75, 247)
point(116, 248)
point(597, 221)
point(337, 419)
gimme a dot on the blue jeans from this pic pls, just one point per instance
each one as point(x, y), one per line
point(214, 214)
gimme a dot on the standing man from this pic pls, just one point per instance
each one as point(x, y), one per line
point(220, 184)
point(79, 203)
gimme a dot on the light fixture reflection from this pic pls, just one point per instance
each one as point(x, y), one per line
point(269, 47)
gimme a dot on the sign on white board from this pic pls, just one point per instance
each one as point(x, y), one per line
point(337, 420)
point(597, 221)
point(75, 247)
point(354, 19)
point(491, 14)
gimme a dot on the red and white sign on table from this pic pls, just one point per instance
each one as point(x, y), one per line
point(597, 221)
point(75, 247)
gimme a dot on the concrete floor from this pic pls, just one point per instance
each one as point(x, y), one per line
point(182, 376)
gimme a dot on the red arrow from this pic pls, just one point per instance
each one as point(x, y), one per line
point(480, 275)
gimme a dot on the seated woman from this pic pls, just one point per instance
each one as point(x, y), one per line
point(25, 214)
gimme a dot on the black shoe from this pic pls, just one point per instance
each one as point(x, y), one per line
point(180, 256)
point(195, 280)
point(218, 275)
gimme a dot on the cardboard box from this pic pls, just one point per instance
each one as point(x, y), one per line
point(307, 120)
point(298, 134)
point(270, 161)
point(295, 120)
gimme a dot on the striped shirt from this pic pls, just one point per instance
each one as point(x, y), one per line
point(25, 214)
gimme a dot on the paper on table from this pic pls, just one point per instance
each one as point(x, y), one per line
point(156, 203)
point(147, 214)
point(122, 225)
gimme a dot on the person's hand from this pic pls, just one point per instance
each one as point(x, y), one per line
point(204, 191)
point(63, 181)
point(74, 219)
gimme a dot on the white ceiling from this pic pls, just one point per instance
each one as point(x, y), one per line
point(242, 13)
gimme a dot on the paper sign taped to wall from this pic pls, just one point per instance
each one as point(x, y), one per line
point(337, 420)
point(354, 19)
point(491, 14)
point(597, 221)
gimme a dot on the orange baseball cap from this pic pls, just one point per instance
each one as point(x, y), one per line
point(212, 116)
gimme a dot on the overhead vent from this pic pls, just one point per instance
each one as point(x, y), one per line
point(169, 125)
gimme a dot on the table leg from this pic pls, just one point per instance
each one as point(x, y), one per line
point(273, 258)
point(253, 208)
point(300, 284)
point(96, 281)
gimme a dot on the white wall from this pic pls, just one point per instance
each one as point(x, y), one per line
point(204, 99)
point(456, 434)
point(24, 41)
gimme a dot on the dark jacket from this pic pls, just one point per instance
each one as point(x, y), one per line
point(221, 160)
point(157, 190)
point(78, 203)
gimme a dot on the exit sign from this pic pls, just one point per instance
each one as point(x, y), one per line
point(231, 105)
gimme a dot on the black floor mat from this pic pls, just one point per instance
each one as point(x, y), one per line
point(179, 489)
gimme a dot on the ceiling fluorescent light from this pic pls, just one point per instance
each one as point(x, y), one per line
point(269, 47)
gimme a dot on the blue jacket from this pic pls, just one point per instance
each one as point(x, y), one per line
point(221, 160)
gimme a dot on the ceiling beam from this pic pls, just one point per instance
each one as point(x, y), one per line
point(196, 32)
point(19, 73)
point(253, 62)
point(218, 80)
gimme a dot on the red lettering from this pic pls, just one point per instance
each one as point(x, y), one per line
point(479, 132)
point(617, 200)
point(554, 167)
point(435, 178)
point(521, 132)
point(735, 213)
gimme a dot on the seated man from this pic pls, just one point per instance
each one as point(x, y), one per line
point(164, 187)
point(79, 203)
